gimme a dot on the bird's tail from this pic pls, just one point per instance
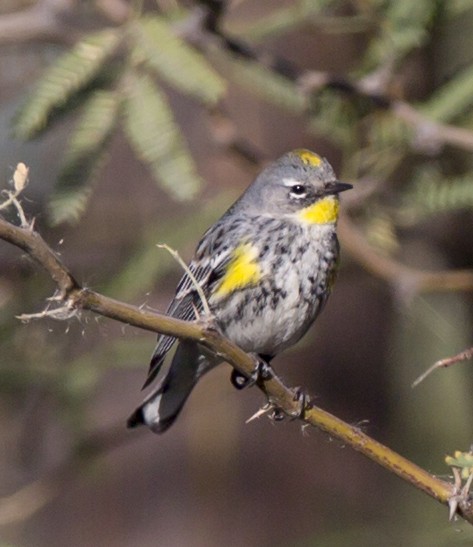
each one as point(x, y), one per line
point(159, 410)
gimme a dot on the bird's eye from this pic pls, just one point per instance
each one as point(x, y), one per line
point(298, 190)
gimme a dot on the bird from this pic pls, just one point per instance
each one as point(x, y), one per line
point(265, 269)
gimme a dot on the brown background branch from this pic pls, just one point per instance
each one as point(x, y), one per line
point(406, 278)
point(203, 32)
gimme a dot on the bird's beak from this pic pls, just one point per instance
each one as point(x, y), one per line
point(336, 187)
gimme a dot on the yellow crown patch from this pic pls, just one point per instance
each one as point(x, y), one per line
point(308, 157)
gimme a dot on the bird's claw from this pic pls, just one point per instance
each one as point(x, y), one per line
point(261, 372)
point(302, 400)
point(277, 415)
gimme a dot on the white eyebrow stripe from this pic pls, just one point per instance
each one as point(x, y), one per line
point(290, 181)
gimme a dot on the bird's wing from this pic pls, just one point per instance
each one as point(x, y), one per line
point(207, 268)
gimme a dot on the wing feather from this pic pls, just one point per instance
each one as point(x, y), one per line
point(207, 268)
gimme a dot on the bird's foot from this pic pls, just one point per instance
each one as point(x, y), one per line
point(277, 415)
point(261, 372)
point(303, 402)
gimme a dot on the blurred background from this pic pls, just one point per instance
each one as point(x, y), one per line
point(141, 122)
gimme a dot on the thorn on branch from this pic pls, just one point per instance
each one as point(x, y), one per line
point(461, 495)
point(268, 407)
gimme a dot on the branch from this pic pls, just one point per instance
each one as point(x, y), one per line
point(445, 363)
point(117, 11)
point(203, 32)
point(429, 136)
point(407, 279)
point(280, 396)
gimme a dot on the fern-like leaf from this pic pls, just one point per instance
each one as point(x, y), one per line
point(156, 139)
point(159, 48)
point(72, 72)
point(387, 131)
point(84, 157)
point(333, 117)
point(281, 20)
point(452, 99)
point(262, 81)
point(433, 193)
point(405, 26)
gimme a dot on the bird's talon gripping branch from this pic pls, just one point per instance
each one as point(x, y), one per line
point(261, 372)
point(277, 415)
point(240, 381)
point(302, 400)
point(264, 370)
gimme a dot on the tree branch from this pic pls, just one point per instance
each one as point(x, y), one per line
point(77, 298)
point(407, 279)
point(203, 32)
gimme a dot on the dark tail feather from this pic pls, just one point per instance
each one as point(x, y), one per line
point(154, 368)
point(136, 419)
point(162, 406)
point(157, 359)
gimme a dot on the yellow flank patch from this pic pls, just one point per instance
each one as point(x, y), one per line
point(324, 211)
point(242, 270)
point(308, 157)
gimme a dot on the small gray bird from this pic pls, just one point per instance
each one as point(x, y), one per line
point(266, 269)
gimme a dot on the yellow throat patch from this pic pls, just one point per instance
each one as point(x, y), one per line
point(242, 270)
point(324, 211)
point(308, 157)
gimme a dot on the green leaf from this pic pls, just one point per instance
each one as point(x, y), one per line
point(380, 144)
point(432, 193)
point(404, 27)
point(72, 72)
point(84, 157)
point(462, 460)
point(388, 131)
point(156, 138)
point(262, 81)
point(281, 20)
point(452, 99)
point(159, 48)
point(333, 117)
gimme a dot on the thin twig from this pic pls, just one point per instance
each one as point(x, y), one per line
point(191, 276)
point(444, 363)
point(430, 136)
